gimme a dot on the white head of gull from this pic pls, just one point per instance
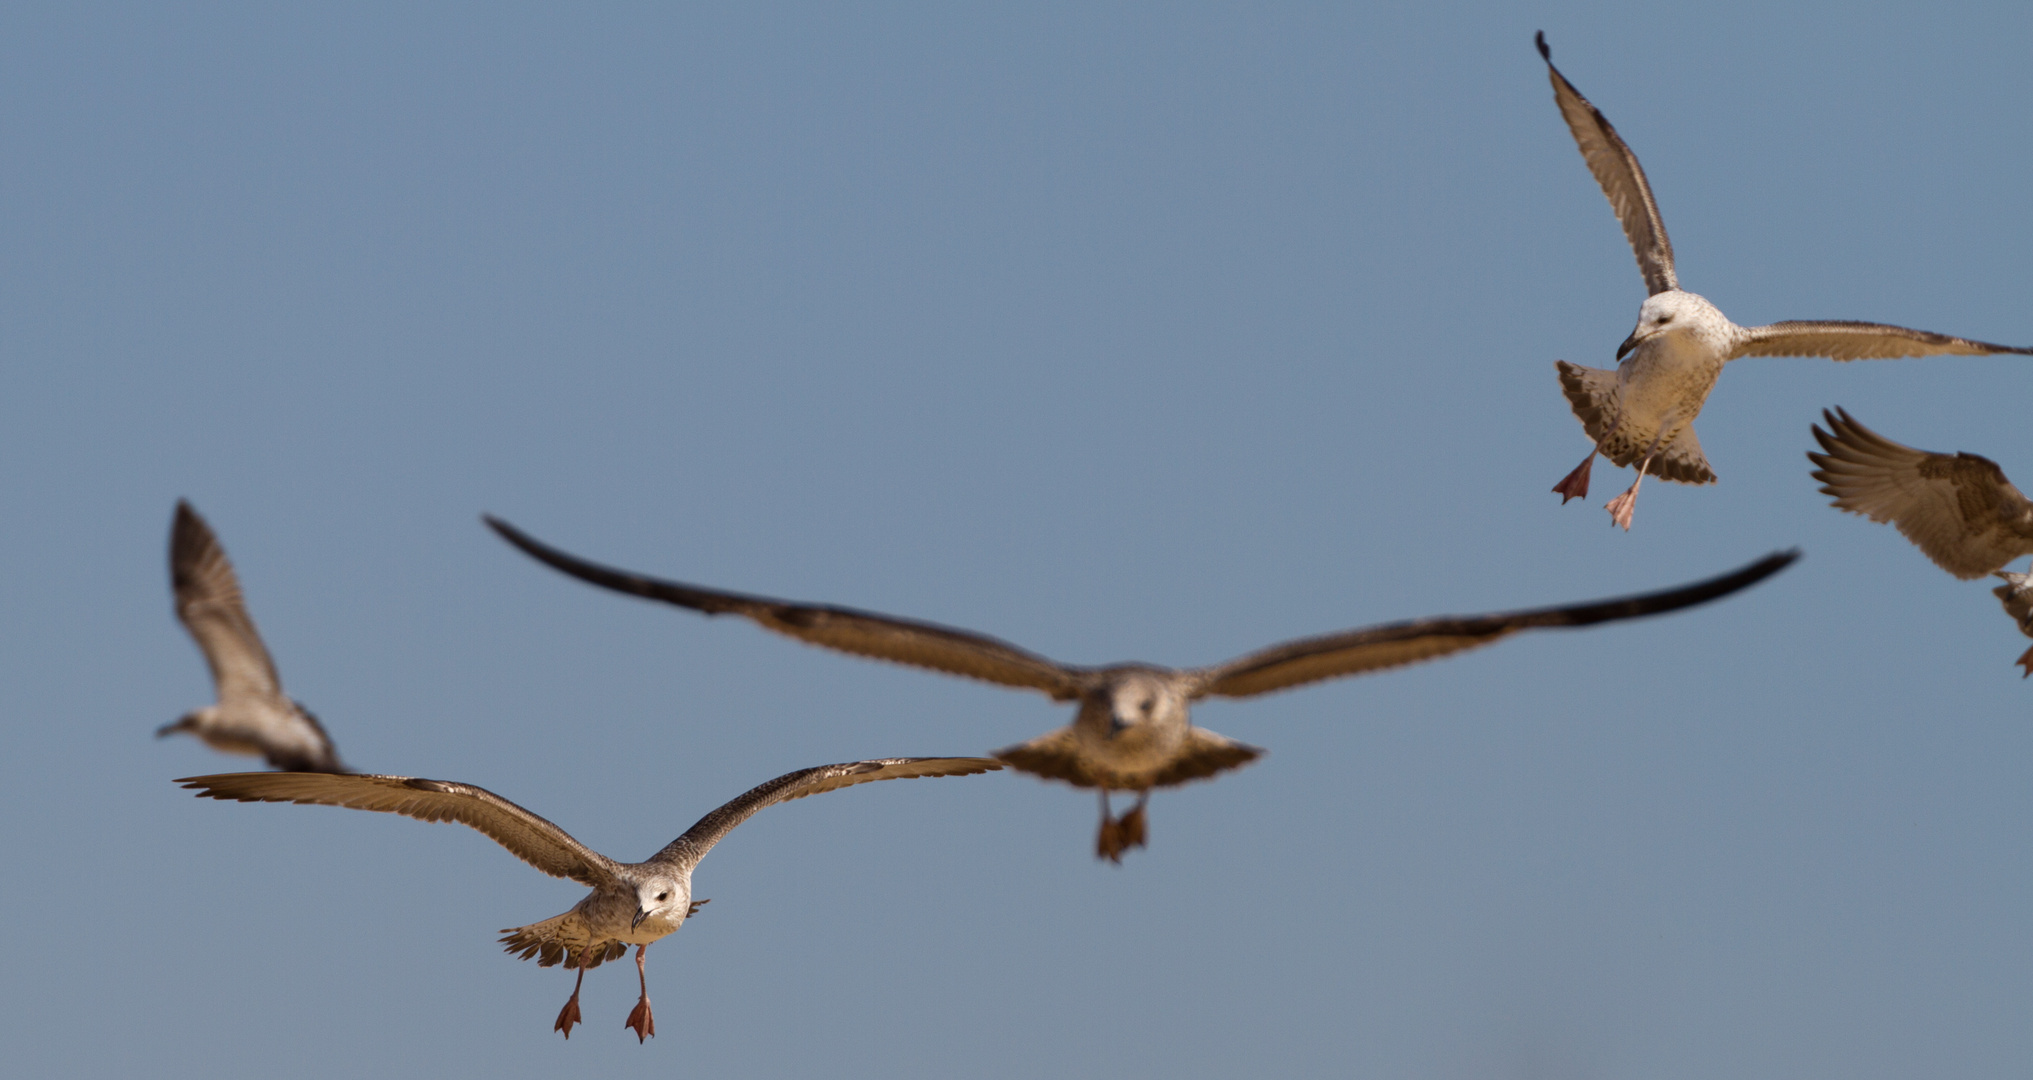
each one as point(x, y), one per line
point(1644, 411)
point(1133, 730)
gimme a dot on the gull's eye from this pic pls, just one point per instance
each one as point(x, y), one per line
point(1147, 705)
point(663, 896)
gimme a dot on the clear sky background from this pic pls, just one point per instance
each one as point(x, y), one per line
point(1121, 332)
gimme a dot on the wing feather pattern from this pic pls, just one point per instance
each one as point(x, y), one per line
point(1622, 179)
point(862, 633)
point(1957, 508)
point(1354, 652)
point(1843, 340)
point(529, 837)
point(210, 605)
point(685, 852)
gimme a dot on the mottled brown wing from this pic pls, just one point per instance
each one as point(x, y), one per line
point(1957, 508)
point(529, 837)
point(685, 852)
point(1623, 181)
point(862, 633)
point(209, 604)
point(1354, 652)
point(1841, 340)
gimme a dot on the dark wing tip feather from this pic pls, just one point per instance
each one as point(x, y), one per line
point(1545, 53)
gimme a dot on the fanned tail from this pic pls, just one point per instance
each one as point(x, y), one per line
point(1594, 396)
point(561, 938)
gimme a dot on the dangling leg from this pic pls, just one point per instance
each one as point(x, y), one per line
point(569, 1015)
point(1620, 508)
point(643, 1023)
point(1131, 827)
point(2026, 660)
point(1108, 844)
point(1575, 486)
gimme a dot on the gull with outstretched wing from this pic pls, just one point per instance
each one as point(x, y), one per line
point(253, 715)
point(631, 903)
point(1133, 731)
point(1644, 410)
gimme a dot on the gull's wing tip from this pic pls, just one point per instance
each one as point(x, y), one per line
point(1545, 51)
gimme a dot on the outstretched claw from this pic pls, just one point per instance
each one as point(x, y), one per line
point(1575, 486)
point(2026, 660)
point(569, 1015)
point(639, 1019)
point(694, 909)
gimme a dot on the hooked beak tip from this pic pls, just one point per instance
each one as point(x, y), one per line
point(1629, 344)
point(640, 915)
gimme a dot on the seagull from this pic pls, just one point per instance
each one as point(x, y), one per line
point(631, 903)
point(253, 715)
point(1644, 410)
point(1958, 509)
point(2017, 596)
point(1132, 731)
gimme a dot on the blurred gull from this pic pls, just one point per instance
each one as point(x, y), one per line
point(253, 715)
point(1956, 508)
point(1132, 731)
point(631, 903)
point(1644, 410)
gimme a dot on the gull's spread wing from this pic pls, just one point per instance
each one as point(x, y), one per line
point(531, 838)
point(1355, 652)
point(1622, 180)
point(209, 604)
point(686, 851)
point(863, 633)
point(1842, 340)
point(1957, 508)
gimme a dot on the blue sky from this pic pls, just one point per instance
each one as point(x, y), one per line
point(1121, 332)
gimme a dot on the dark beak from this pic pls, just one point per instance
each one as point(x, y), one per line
point(1629, 344)
point(1115, 726)
point(640, 915)
point(179, 724)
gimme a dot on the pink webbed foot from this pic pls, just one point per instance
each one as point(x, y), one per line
point(1575, 486)
point(1108, 843)
point(569, 1015)
point(641, 1021)
point(1130, 828)
point(2026, 661)
point(1621, 508)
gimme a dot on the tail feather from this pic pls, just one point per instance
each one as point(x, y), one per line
point(561, 938)
point(1594, 396)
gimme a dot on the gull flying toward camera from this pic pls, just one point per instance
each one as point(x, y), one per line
point(253, 715)
point(1644, 411)
point(1956, 508)
point(631, 903)
point(1132, 731)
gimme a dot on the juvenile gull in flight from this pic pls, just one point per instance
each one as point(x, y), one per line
point(631, 903)
point(1133, 731)
point(1644, 411)
point(253, 715)
point(1957, 508)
